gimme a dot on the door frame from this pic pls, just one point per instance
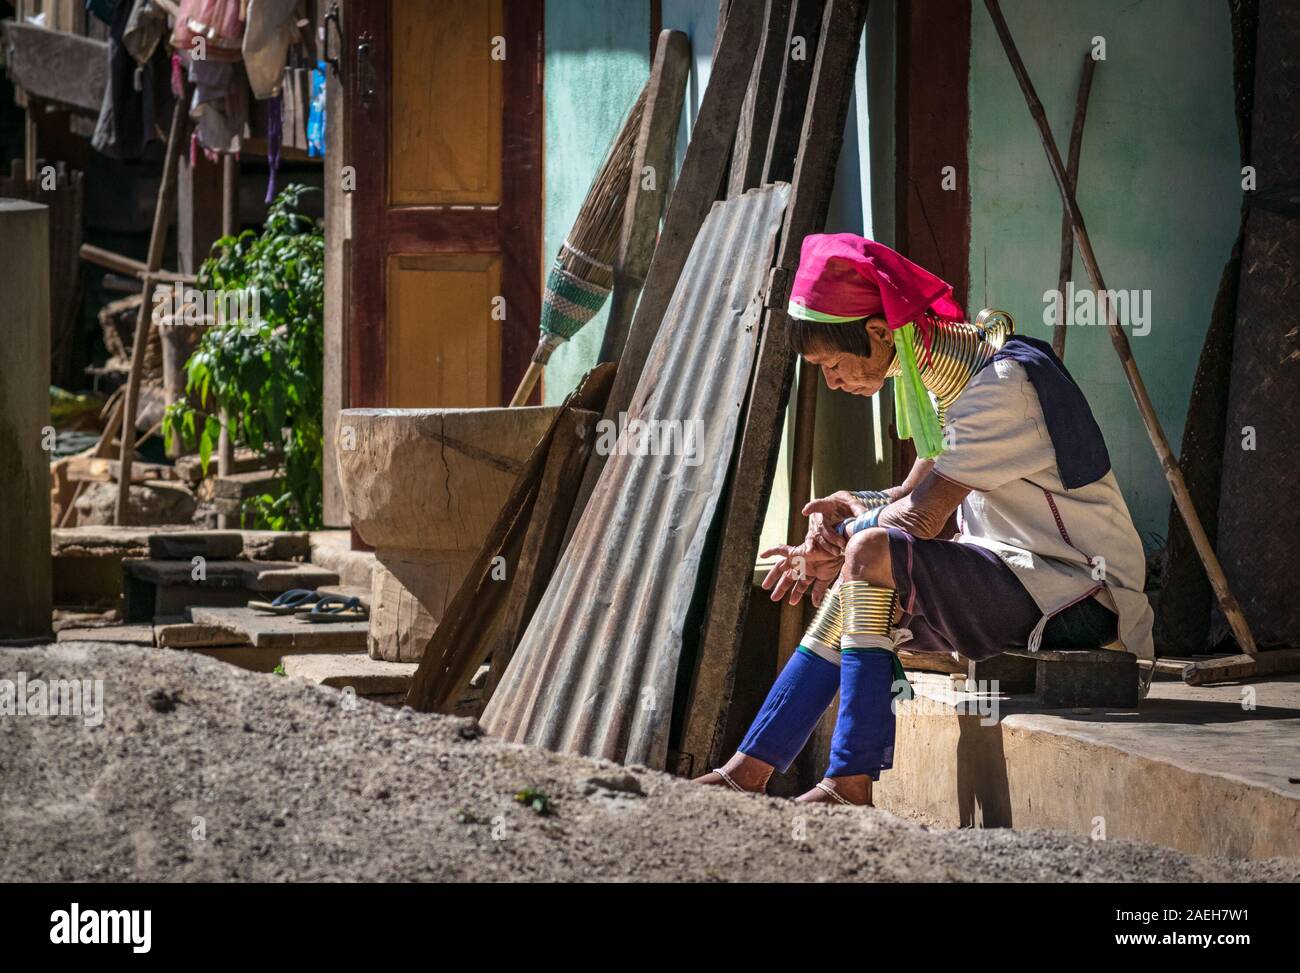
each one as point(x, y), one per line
point(513, 229)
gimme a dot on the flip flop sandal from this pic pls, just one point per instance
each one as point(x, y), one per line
point(286, 603)
point(826, 788)
point(336, 608)
point(727, 779)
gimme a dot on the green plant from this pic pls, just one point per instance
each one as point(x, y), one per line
point(263, 368)
point(535, 799)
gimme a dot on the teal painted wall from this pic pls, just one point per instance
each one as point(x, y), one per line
point(1159, 188)
point(597, 59)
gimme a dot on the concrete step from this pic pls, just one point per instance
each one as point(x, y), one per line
point(87, 561)
point(332, 549)
point(1206, 770)
point(367, 676)
point(285, 632)
point(157, 587)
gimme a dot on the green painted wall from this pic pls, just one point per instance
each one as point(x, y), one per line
point(597, 59)
point(1159, 188)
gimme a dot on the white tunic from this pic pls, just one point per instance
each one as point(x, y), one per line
point(1063, 545)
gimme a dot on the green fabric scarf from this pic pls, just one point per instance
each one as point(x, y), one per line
point(914, 413)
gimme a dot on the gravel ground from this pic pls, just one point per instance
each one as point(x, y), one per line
point(298, 782)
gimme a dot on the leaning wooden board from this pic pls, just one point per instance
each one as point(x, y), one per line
point(822, 133)
point(596, 670)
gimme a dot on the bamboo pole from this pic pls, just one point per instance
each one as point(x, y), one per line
point(527, 383)
point(162, 214)
point(1182, 498)
point(1067, 228)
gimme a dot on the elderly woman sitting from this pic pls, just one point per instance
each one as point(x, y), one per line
point(1044, 552)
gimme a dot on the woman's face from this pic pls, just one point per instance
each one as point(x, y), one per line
point(851, 373)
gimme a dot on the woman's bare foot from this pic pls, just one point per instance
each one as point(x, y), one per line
point(749, 773)
point(851, 790)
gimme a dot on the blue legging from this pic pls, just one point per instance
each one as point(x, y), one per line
point(863, 742)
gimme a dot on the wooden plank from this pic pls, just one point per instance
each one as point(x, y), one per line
point(822, 134)
point(803, 32)
point(116, 634)
point(575, 434)
point(269, 577)
point(933, 119)
point(758, 113)
point(1270, 662)
point(56, 66)
point(337, 253)
point(701, 175)
point(805, 25)
point(656, 144)
point(474, 609)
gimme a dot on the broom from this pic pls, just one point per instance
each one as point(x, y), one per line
point(583, 274)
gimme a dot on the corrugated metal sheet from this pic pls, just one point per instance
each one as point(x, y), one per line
point(595, 671)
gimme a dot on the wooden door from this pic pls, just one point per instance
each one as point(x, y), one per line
point(445, 113)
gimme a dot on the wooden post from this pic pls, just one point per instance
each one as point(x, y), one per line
point(198, 224)
point(25, 585)
point(229, 227)
point(1182, 498)
point(157, 239)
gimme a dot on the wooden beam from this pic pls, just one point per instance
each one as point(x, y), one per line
point(1271, 662)
point(804, 28)
point(701, 175)
point(814, 175)
point(575, 432)
point(59, 67)
point(758, 114)
point(656, 145)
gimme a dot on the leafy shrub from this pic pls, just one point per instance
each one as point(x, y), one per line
point(265, 372)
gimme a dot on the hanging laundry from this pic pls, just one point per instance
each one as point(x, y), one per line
point(219, 105)
point(137, 100)
point(269, 31)
point(103, 9)
point(316, 120)
point(210, 30)
point(145, 27)
point(274, 137)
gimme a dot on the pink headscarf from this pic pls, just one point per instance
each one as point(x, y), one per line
point(847, 276)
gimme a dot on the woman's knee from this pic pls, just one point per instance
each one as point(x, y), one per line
point(866, 558)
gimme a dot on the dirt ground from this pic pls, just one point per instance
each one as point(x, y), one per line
point(263, 778)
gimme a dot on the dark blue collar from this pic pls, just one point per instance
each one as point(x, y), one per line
point(1081, 455)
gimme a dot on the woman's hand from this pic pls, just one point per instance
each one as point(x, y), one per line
point(798, 568)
